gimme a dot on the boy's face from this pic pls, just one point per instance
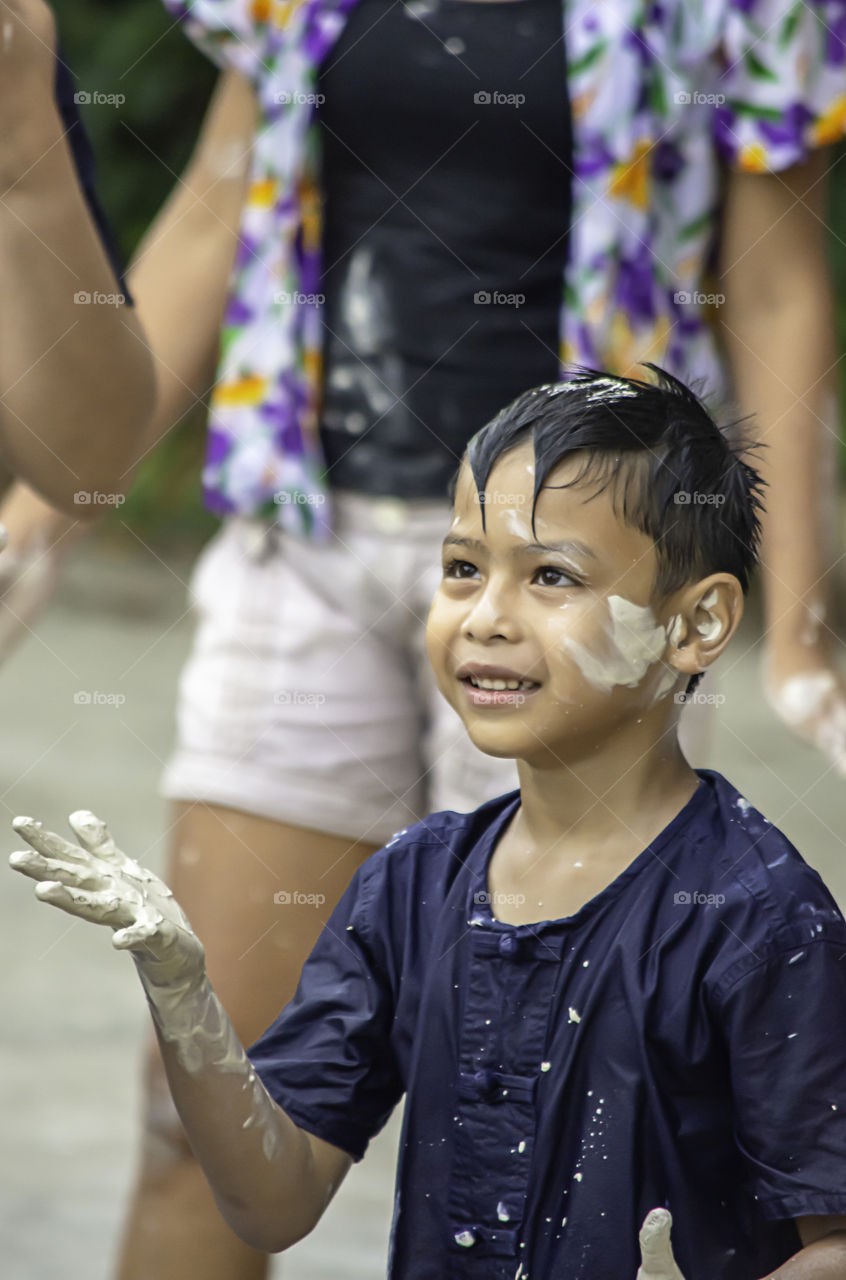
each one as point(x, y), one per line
point(574, 623)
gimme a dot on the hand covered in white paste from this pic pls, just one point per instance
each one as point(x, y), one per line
point(96, 881)
point(656, 1252)
point(39, 538)
point(813, 703)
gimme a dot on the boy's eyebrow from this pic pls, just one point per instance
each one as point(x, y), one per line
point(569, 545)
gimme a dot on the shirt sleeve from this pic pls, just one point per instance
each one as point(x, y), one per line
point(783, 84)
point(785, 1026)
point(328, 1059)
point(83, 158)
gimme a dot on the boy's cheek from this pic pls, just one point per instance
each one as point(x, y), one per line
point(437, 640)
point(443, 637)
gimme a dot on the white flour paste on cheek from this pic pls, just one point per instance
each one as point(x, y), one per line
point(634, 642)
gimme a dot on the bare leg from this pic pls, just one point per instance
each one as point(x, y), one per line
point(226, 867)
point(778, 329)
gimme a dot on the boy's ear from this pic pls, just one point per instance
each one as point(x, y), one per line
point(701, 622)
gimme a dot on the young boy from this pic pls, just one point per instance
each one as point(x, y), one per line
point(617, 988)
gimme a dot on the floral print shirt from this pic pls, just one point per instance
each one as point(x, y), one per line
point(661, 91)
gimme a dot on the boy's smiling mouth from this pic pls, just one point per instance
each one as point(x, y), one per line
point(495, 686)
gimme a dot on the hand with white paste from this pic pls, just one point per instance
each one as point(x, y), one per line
point(813, 704)
point(656, 1251)
point(96, 881)
point(32, 559)
point(271, 1180)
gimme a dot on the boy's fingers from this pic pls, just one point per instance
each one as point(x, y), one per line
point(655, 1249)
point(100, 908)
point(94, 835)
point(134, 937)
point(37, 867)
point(48, 843)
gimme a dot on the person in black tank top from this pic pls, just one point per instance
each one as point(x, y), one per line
point(446, 182)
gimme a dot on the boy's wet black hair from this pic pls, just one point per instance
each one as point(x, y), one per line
point(674, 474)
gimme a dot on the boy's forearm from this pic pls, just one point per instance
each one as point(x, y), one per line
point(271, 1179)
point(257, 1161)
point(823, 1260)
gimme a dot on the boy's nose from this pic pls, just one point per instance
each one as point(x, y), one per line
point(491, 618)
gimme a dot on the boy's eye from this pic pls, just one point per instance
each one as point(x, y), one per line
point(550, 576)
point(459, 569)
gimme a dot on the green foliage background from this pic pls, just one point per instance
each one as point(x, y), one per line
point(134, 48)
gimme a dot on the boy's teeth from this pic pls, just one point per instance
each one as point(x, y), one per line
point(500, 684)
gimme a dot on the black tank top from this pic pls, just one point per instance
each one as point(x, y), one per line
point(446, 178)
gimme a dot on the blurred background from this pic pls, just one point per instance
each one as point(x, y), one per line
point(87, 706)
point(141, 148)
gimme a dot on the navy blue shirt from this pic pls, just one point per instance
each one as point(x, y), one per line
point(83, 158)
point(680, 1041)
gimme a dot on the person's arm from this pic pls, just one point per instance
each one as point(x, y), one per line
point(271, 1179)
point(178, 279)
point(181, 269)
point(777, 323)
point(76, 380)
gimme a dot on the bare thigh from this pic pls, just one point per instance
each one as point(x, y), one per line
point(257, 893)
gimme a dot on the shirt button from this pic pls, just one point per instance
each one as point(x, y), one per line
point(465, 1237)
point(508, 946)
point(484, 1081)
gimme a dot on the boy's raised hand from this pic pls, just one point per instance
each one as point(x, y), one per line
point(96, 881)
point(656, 1252)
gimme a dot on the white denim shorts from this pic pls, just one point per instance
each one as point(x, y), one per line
point(308, 697)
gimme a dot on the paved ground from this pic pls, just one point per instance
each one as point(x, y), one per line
point(72, 1013)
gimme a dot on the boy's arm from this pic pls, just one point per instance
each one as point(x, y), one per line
point(271, 1179)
